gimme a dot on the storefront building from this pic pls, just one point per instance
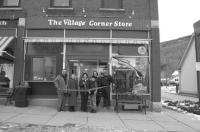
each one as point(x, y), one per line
point(121, 36)
point(11, 31)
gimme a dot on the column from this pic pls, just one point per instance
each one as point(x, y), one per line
point(155, 56)
point(19, 53)
point(110, 62)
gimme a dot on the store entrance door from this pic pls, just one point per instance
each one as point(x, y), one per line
point(78, 67)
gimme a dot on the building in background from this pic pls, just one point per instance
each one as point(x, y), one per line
point(189, 65)
point(187, 70)
point(11, 32)
point(197, 49)
point(85, 36)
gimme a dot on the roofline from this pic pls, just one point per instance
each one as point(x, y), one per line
point(186, 51)
point(196, 26)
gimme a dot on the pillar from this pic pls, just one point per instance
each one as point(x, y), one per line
point(19, 53)
point(155, 56)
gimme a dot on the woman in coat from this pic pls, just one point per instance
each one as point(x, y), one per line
point(73, 85)
point(84, 85)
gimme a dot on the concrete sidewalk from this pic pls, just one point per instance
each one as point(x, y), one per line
point(135, 121)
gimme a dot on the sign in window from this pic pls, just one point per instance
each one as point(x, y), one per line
point(61, 3)
point(44, 68)
point(9, 3)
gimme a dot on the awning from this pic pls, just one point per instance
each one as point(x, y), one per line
point(4, 43)
point(88, 40)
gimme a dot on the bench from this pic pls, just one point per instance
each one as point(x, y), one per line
point(7, 93)
point(141, 103)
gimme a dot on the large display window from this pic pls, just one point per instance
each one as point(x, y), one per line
point(43, 68)
point(130, 69)
point(43, 61)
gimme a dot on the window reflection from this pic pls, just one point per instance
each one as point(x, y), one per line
point(130, 74)
point(44, 68)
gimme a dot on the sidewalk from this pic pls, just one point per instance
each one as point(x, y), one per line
point(11, 116)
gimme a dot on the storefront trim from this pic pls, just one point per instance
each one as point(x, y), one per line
point(87, 40)
point(4, 42)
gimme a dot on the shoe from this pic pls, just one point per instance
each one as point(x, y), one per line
point(93, 111)
point(108, 107)
point(84, 110)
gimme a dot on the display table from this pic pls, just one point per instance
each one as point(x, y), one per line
point(127, 98)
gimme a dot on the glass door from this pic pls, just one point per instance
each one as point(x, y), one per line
point(78, 67)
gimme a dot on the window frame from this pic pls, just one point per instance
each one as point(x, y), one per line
point(53, 6)
point(3, 6)
point(110, 8)
point(31, 70)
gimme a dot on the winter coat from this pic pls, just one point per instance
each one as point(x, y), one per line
point(72, 84)
point(93, 84)
point(84, 85)
point(60, 83)
point(106, 80)
point(98, 80)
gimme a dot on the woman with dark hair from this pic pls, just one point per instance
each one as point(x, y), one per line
point(84, 85)
point(99, 91)
point(92, 94)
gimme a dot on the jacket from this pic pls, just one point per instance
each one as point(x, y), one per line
point(60, 83)
point(72, 84)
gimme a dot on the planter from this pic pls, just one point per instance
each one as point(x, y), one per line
point(21, 103)
point(21, 98)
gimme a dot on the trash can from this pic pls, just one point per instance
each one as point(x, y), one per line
point(21, 96)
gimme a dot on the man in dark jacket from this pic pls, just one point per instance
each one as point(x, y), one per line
point(106, 80)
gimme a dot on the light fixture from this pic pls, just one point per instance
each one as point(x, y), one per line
point(43, 10)
point(133, 12)
point(83, 10)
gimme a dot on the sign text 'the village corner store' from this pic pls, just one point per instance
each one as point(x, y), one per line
point(90, 23)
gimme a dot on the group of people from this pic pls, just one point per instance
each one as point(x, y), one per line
point(92, 89)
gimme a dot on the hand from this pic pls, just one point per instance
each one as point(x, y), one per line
point(89, 92)
point(95, 92)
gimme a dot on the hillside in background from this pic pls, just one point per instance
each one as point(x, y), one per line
point(171, 54)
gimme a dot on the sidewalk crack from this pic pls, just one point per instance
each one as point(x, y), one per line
point(122, 121)
point(183, 123)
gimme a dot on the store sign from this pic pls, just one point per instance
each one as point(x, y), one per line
point(8, 23)
point(197, 66)
point(21, 22)
point(89, 23)
point(142, 50)
point(3, 23)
